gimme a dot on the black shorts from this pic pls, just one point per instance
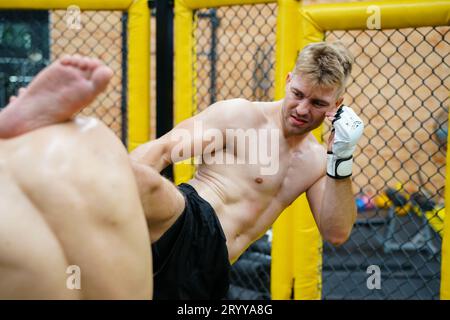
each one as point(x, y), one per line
point(190, 260)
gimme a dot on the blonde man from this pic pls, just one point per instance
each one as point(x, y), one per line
point(197, 229)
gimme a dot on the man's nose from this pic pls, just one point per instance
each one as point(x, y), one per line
point(302, 107)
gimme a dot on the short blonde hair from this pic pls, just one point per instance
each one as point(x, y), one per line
point(325, 64)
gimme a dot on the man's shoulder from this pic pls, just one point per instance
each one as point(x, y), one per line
point(240, 111)
point(316, 151)
point(314, 157)
point(236, 105)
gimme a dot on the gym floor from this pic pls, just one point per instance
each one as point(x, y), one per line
point(404, 274)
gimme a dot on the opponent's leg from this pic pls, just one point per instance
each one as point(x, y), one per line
point(81, 182)
point(55, 95)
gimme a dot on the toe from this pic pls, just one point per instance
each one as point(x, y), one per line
point(66, 59)
point(96, 63)
point(90, 64)
point(22, 91)
point(71, 60)
point(101, 77)
point(84, 63)
point(76, 61)
point(12, 99)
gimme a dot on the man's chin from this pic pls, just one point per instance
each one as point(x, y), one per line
point(296, 131)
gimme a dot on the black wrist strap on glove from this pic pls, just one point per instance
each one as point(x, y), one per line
point(339, 168)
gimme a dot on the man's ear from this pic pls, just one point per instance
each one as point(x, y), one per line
point(288, 77)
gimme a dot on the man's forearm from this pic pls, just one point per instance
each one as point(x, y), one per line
point(338, 212)
point(151, 154)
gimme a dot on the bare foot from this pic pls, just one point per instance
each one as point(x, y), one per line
point(55, 95)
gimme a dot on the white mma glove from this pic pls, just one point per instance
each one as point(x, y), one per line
point(348, 128)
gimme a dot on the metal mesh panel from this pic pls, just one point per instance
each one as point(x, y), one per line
point(235, 53)
point(400, 84)
point(24, 49)
point(33, 39)
point(235, 58)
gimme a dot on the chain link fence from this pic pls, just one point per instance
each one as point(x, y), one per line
point(400, 85)
point(24, 49)
point(235, 50)
point(30, 40)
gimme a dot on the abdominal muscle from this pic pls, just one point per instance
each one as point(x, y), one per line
point(244, 213)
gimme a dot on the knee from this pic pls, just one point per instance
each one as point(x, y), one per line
point(148, 179)
point(80, 162)
point(102, 167)
point(95, 136)
point(83, 150)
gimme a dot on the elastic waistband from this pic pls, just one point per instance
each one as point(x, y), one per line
point(186, 189)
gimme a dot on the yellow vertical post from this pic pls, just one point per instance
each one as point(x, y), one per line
point(296, 247)
point(445, 267)
point(282, 245)
point(138, 74)
point(307, 240)
point(184, 77)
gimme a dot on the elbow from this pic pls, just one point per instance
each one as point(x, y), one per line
point(336, 238)
point(166, 159)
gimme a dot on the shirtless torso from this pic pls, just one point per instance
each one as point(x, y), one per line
point(246, 201)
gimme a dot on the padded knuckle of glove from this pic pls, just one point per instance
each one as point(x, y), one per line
point(348, 128)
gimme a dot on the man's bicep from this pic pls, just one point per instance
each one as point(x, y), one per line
point(201, 134)
point(198, 135)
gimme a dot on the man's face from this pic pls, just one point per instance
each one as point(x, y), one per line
point(304, 106)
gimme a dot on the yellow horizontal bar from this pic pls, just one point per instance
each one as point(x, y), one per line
point(198, 4)
point(64, 4)
point(393, 14)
